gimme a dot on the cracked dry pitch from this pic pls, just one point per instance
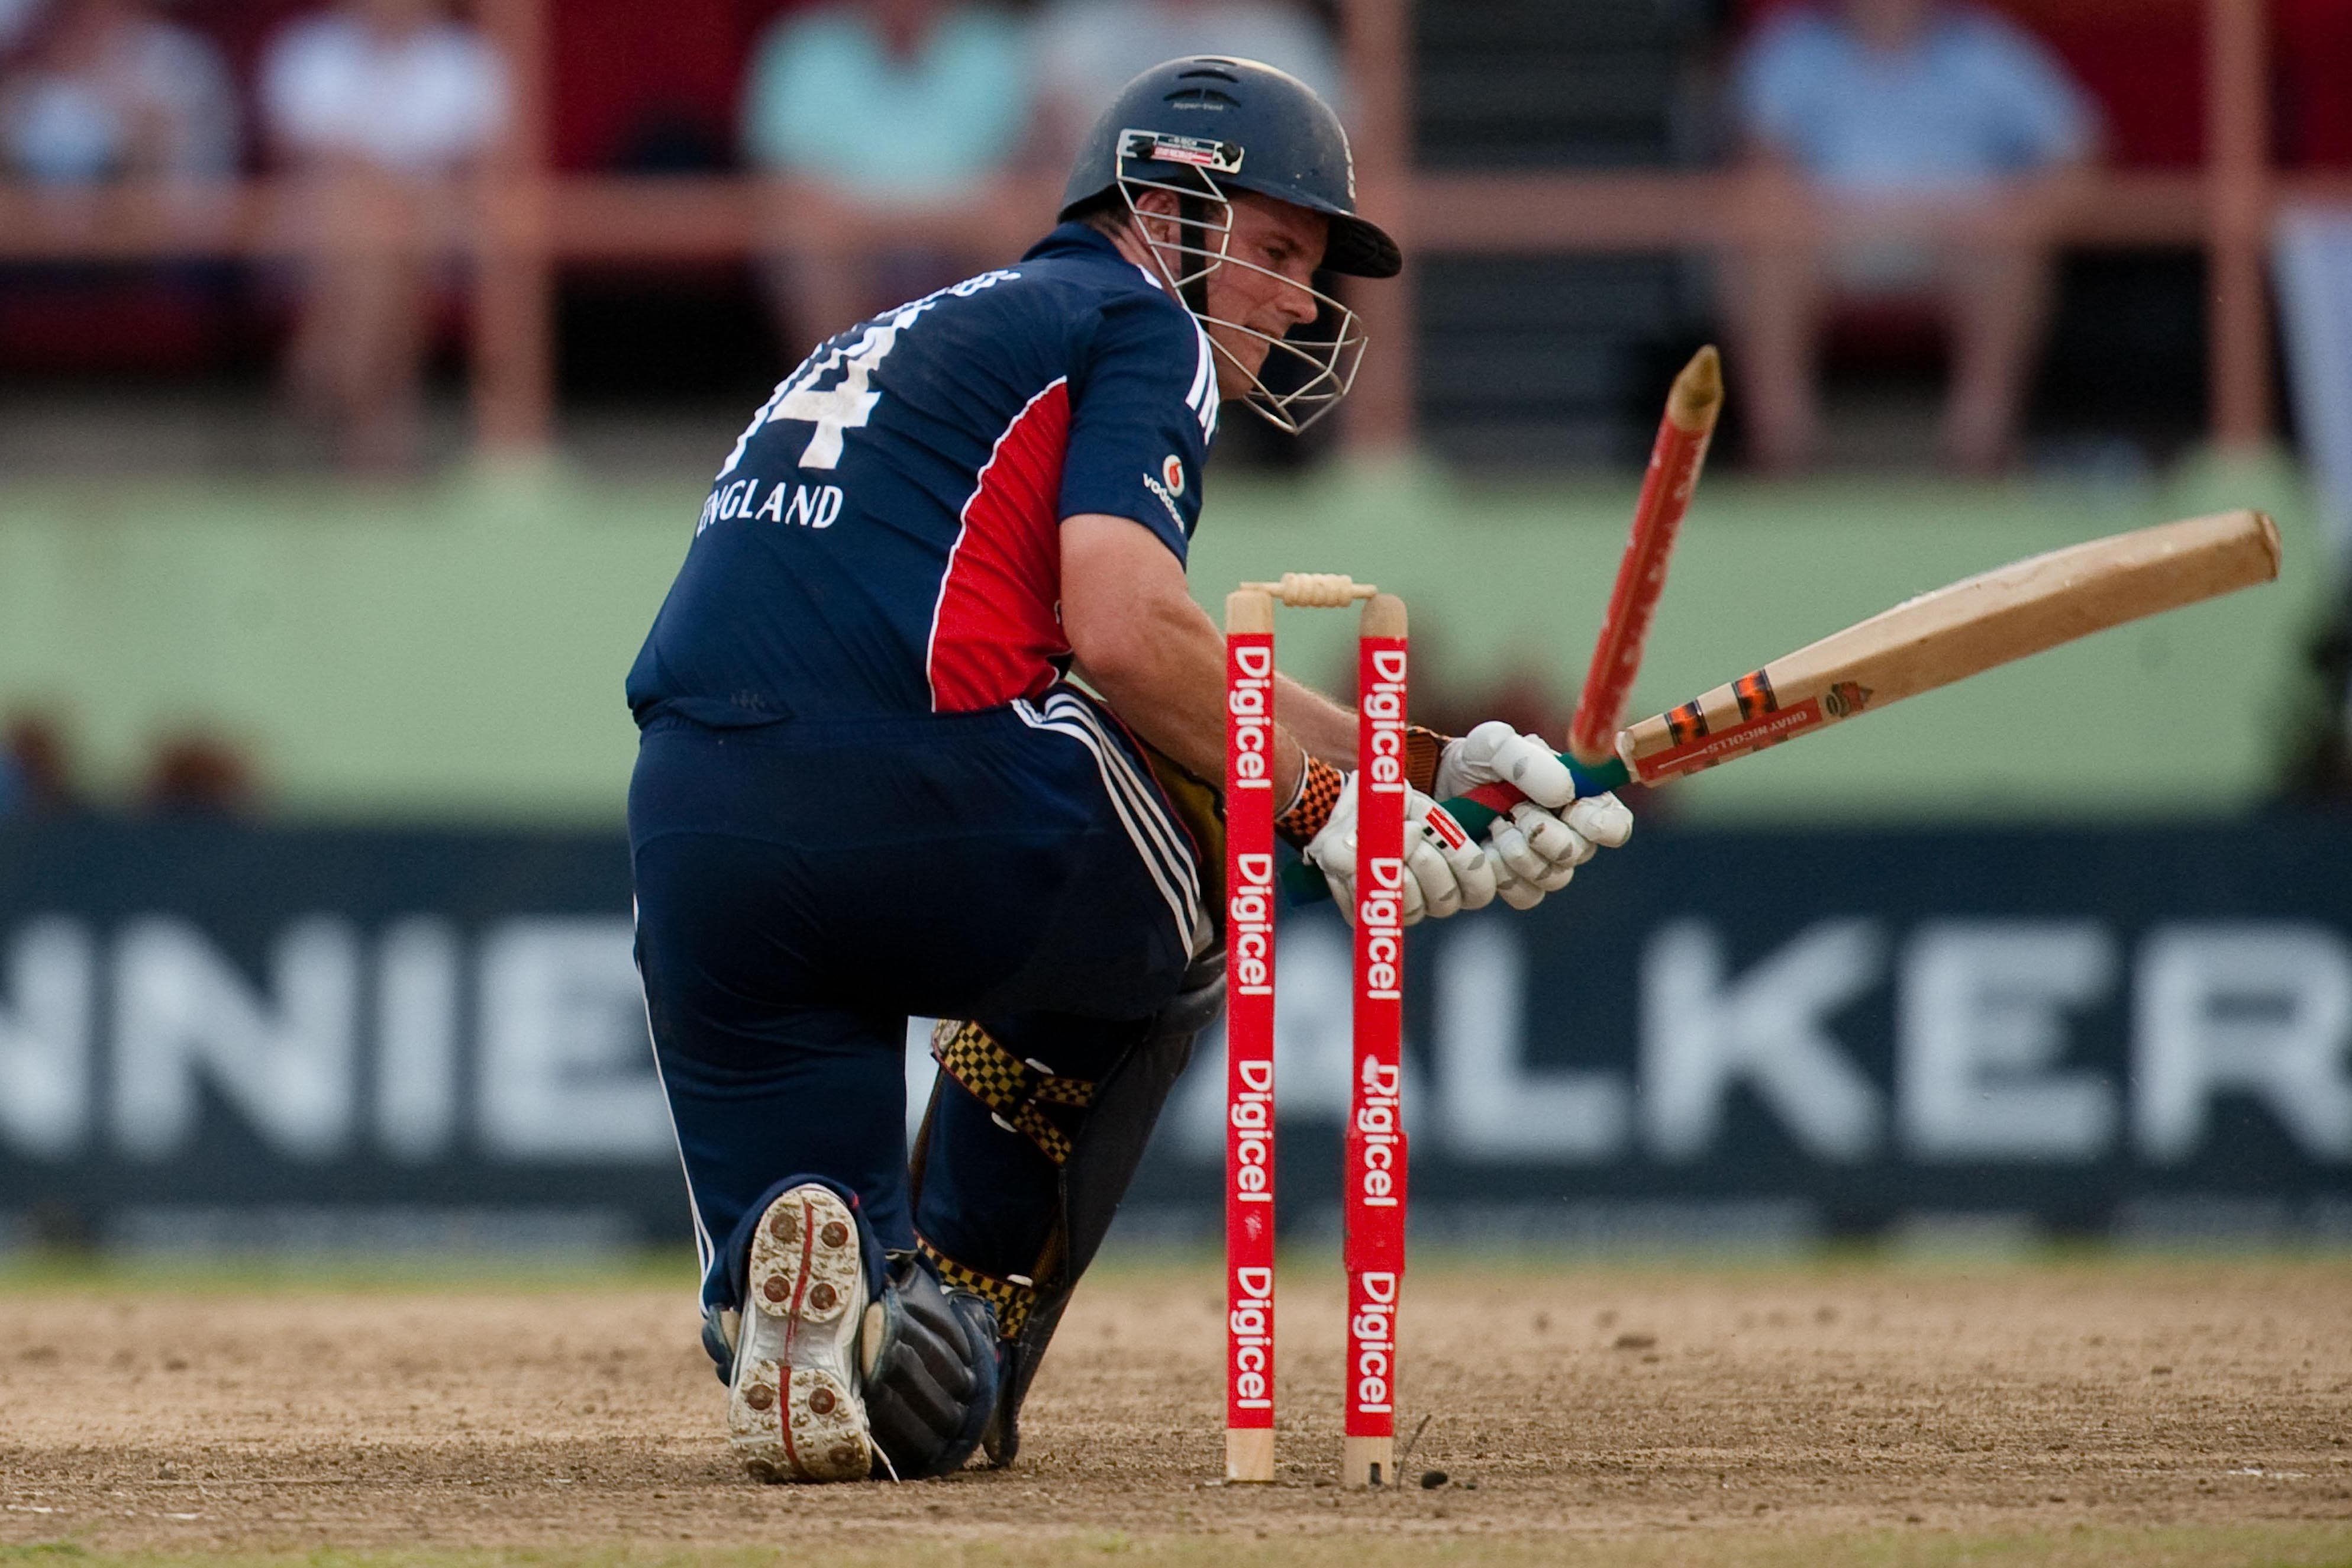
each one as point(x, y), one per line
point(1592, 1401)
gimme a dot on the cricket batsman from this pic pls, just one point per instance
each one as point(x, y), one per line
point(867, 786)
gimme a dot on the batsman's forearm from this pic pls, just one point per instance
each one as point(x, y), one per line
point(1153, 654)
point(1166, 681)
point(1170, 703)
point(1327, 729)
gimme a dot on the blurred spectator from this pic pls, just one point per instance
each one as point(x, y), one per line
point(1931, 139)
point(1089, 50)
point(382, 105)
point(2312, 256)
point(901, 104)
point(15, 17)
point(107, 89)
point(34, 771)
point(198, 775)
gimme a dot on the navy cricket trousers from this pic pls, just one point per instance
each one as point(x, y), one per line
point(804, 889)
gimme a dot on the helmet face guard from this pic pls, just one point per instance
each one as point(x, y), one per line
point(1191, 245)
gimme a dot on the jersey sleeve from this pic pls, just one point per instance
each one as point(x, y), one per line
point(1143, 404)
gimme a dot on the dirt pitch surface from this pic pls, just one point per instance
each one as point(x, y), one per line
point(2095, 1411)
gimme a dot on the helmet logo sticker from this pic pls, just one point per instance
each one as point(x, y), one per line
point(1198, 151)
point(1171, 474)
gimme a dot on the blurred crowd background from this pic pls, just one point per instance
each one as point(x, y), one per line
point(364, 365)
point(1973, 164)
point(1924, 178)
point(2076, 241)
point(2007, 241)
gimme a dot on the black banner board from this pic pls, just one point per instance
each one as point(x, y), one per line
point(215, 1036)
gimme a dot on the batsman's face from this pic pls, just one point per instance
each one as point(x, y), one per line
point(1282, 245)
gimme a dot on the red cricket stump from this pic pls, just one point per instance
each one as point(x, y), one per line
point(1374, 1179)
point(1676, 460)
point(1250, 906)
point(1374, 1199)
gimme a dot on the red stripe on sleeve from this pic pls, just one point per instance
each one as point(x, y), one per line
point(998, 627)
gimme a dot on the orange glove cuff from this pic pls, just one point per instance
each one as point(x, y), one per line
point(1318, 795)
point(1423, 747)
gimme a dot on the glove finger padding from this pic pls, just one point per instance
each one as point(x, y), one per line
point(1603, 818)
point(1511, 888)
point(1473, 874)
point(1445, 864)
point(1536, 870)
point(1343, 893)
point(1432, 889)
point(1446, 872)
point(1553, 841)
point(1533, 851)
point(1553, 881)
point(1511, 852)
point(1494, 753)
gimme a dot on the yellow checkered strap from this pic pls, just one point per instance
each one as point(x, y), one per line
point(1016, 1089)
point(1012, 1298)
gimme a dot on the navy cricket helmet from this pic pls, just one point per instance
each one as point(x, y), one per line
point(1250, 127)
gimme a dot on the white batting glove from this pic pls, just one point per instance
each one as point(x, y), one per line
point(1536, 851)
point(1494, 753)
point(1538, 845)
point(1447, 870)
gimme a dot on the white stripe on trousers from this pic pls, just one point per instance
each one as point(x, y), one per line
point(1142, 792)
point(1158, 841)
point(704, 1249)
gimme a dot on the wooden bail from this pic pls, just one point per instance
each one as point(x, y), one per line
point(1316, 590)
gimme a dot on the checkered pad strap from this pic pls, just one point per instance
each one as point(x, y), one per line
point(1011, 1298)
point(1018, 1092)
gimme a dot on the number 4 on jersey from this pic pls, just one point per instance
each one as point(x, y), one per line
point(848, 403)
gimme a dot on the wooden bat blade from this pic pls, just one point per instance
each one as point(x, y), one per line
point(1954, 632)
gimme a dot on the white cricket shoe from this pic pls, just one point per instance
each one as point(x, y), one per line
point(794, 1406)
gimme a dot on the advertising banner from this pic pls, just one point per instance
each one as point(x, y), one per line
point(222, 1037)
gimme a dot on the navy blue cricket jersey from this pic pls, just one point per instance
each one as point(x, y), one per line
point(885, 537)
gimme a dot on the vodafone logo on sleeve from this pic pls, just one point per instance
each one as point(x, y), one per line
point(1167, 487)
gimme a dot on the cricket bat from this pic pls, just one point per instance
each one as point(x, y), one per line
point(1973, 625)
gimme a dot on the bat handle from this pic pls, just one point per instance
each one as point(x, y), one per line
point(1476, 812)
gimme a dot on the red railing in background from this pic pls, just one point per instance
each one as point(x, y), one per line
point(528, 220)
